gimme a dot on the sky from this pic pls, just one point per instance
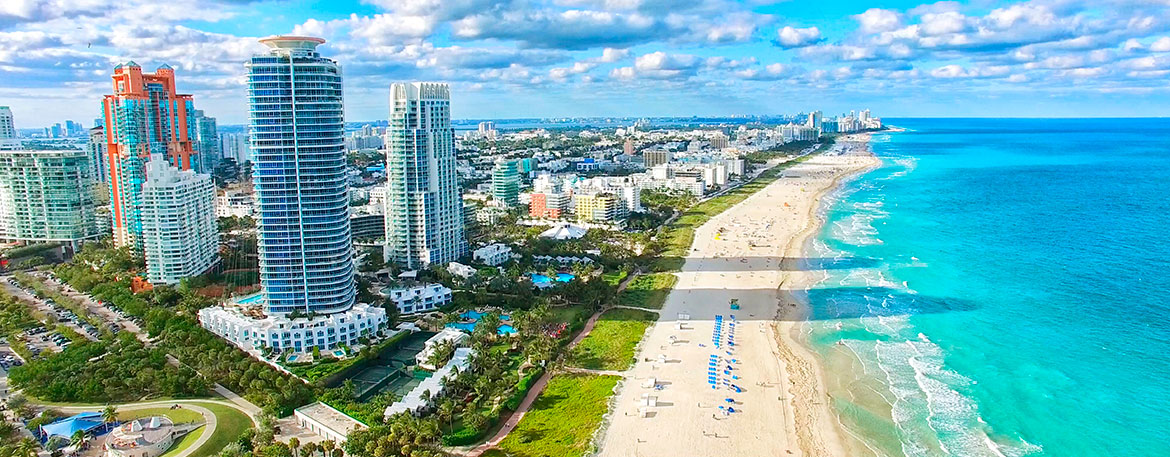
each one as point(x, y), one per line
point(570, 58)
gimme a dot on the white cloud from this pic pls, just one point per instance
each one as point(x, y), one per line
point(1162, 45)
point(876, 20)
point(790, 37)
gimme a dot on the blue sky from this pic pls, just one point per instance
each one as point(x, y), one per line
point(549, 58)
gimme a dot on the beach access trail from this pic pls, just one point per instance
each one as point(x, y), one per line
point(738, 254)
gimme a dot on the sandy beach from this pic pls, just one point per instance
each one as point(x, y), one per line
point(666, 406)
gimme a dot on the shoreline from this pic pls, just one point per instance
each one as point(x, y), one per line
point(810, 398)
point(739, 254)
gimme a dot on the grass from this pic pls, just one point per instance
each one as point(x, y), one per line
point(562, 419)
point(648, 290)
point(610, 346)
point(185, 442)
point(614, 278)
point(230, 424)
point(178, 416)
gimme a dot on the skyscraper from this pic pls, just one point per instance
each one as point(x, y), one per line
point(180, 233)
point(424, 206)
point(299, 173)
point(206, 141)
point(145, 115)
point(8, 139)
point(46, 196)
point(97, 156)
point(506, 182)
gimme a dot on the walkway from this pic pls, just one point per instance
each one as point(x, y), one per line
point(537, 388)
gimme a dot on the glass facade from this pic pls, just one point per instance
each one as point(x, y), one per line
point(424, 206)
point(45, 196)
point(299, 174)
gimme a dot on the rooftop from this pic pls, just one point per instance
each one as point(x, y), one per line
point(330, 418)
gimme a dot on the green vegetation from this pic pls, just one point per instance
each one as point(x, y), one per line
point(648, 290)
point(112, 370)
point(610, 346)
point(178, 416)
point(327, 370)
point(562, 420)
point(168, 316)
point(230, 426)
point(185, 442)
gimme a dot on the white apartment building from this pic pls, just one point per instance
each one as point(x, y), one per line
point(179, 230)
point(493, 254)
point(242, 324)
point(420, 298)
point(235, 204)
point(8, 140)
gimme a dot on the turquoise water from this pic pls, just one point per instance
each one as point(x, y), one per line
point(538, 278)
point(1002, 288)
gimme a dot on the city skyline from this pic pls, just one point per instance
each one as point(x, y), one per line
point(623, 58)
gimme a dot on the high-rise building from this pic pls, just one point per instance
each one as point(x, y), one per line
point(424, 223)
point(718, 141)
point(506, 182)
point(814, 120)
point(206, 141)
point(628, 147)
point(8, 139)
point(299, 174)
point(95, 151)
point(145, 115)
point(46, 196)
point(599, 208)
point(655, 157)
point(179, 230)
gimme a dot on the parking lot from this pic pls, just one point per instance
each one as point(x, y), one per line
point(44, 338)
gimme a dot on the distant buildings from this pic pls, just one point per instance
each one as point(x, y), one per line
point(145, 115)
point(8, 139)
point(206, 141)
point(96, 152)
point(599, 208)
point(487, 130)
point(655, 157)
point(424, 208)
point(46, 196)
point(548, 205)
point(179, 230)
point(506, 182)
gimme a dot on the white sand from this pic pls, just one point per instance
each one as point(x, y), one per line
point(783, 409)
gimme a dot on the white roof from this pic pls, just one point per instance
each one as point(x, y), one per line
point(564, 232)
point(433, 384)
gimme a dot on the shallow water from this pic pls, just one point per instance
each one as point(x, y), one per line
point(1002, 288)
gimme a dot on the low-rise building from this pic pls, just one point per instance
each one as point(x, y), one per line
point(494, 254)
point(326, 421)
point(419, 298)
point(242, 323)
point(235, 204)
point(460, 270)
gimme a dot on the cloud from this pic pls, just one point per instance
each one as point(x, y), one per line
point(876, 20)
point(1162, 45)
point(790, 37)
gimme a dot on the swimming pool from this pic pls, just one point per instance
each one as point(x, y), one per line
point(251, 299)
point(292, 358)
point(538, 278)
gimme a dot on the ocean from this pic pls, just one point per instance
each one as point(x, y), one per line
point(1001, 287)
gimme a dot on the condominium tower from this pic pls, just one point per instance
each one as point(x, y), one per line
point(145, 115)
point(45, 196)
point(299, 173)
point(424, 207)
point(506, 182)
point(178, 222)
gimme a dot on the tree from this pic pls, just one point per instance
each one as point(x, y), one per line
point(109, 414)
point(78, 439)
point(26, 448)
point(294, 445)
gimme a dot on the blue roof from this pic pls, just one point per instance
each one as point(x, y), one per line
point(67, 427)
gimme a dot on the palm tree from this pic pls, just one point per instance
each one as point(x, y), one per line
point(294, 445)
point(26, 448)
point(109, 414)
point(309, 449)
point(78, 439)
point(326, 447)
